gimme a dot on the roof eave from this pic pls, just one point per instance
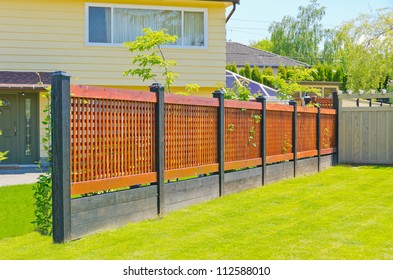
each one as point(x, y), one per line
point(24, 86)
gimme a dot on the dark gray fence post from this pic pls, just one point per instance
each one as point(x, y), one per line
point(220, 139)
point(336, 105)
point(263, 138)
point(160, 147)
point(294, 136)
point(61, 173)
point(319, 138)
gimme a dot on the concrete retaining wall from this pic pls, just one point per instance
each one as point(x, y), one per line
point(111, 210)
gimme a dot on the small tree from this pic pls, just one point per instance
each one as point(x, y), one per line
point(321, 72)
point(247, 71)
point(288, 88)
point(234, 68)
point(282, 72)
point(256, 75)
point(268, 72)
point(151, 42)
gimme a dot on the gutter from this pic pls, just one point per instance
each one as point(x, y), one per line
point(234, 3)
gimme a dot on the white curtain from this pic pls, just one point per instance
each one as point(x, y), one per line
point(194, 34)
point(128, 23)
point(108, 25)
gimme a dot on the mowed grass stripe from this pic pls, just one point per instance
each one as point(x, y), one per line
point(342, 213)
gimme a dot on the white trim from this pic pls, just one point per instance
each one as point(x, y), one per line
point(172, 8)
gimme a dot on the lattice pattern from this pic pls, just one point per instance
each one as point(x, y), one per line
point(278, 133)
point(325, 103)
point(111, 138)
point(242, 134)
point(190, 136)
point(328, 131)
point(306, 132)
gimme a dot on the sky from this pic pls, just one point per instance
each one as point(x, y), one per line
point(252, 18)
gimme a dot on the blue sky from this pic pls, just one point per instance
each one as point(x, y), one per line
point(252, 18)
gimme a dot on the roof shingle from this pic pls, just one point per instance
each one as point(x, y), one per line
point(11, 79)
point(242, 55)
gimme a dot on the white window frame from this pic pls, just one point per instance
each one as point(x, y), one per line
point(182, 9)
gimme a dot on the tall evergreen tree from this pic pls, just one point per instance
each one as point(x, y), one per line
point(247, 71)
point(256, 75)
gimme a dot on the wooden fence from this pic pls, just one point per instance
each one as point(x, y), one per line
point(326, 103)
point(365, 132)
point(124, 139)
point(113, 136)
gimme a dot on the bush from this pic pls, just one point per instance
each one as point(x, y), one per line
point(43, 204)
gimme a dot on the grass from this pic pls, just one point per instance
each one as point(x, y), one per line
point(16, 210)
point(342, 213)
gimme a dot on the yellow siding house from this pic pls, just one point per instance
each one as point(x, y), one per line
point(85, 39)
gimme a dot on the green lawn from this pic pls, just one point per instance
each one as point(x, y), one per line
point(342, 213)
point(16, 210)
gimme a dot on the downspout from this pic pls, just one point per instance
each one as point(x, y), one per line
point(234, 3)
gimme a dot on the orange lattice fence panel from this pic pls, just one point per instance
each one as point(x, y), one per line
point(328, 131)
point(190, 136)
point(112, 139)
point(326, 103)
point(279, 133)
point(242, 133)
point(307, 132)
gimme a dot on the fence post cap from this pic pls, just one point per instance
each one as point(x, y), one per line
point(59, 73)
point(155, 86)
point(218, 93)
point(292, 102)
point(260, 98)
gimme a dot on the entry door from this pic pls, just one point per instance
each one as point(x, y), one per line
point(9, 127)
point(19, 126)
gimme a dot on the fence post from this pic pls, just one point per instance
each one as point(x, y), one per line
point(160, 147)
point(319, 137)
point(61, 173)
point(336, 106)
point(220, 140)
point(263, 137)
point(294, 136)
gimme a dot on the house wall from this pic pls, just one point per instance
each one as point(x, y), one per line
point(49, 35)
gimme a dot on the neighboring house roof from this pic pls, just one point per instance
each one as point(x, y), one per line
point(11, 79)
point(242, 55)
point(254, 87)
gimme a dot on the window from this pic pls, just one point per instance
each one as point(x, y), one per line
point(4, 102)
point(114, 24)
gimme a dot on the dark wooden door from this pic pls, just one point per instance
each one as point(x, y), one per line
point(20, 128)
point(9, 127)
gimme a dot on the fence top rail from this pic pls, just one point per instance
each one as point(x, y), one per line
point(279, 107)
point(191, 100)
point(325, 111)
point(242, 104)
point(112, 93)
point(366, 95)
point(367, 109)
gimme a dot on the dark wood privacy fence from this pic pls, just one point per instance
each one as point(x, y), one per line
point(124, 139)
point(113, 136)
